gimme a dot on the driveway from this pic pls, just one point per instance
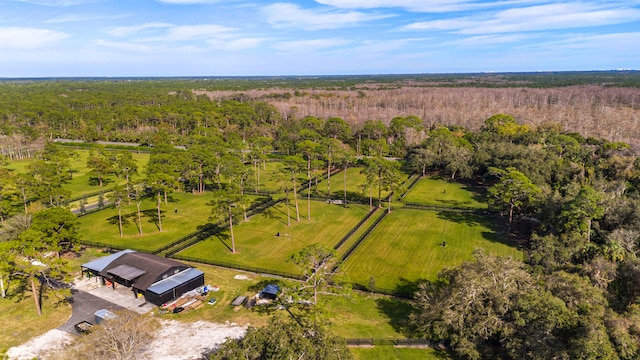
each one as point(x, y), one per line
point(84, 306)
point(89, 296)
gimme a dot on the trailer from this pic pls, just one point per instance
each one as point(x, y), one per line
point(83, 327)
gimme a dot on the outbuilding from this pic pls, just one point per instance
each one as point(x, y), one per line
point(270, 292)
point(156, 278)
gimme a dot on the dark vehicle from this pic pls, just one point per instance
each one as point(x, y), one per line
point(178, 309)
point(83, 327)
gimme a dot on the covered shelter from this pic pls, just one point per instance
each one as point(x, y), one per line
point(270, 292)
point(167, 278)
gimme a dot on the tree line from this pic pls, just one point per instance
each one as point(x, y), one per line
point(572, 200)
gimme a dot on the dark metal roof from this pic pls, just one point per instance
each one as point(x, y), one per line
point(155, 268)
point(271, 289)
point(126, 272)
point(171, 282)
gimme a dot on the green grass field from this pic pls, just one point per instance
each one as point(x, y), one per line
point(257, 244)
point(354, 184)
point(184, 213)
point(81, 182)
point(439, 192)
point(406, 247)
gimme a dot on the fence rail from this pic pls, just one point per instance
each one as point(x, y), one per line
point(364, 235)
point(413, 205)
point(239, 267)
point(387, 342)
point(354, 229)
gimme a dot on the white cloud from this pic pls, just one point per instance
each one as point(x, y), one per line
point(288, 15)
point(189, 2)
point(235, 44)
point(309, 45)
point(193, 32)
point(123, 31)
point(618, 42)
point(534, 18)
point(484, 40)
point(28, 38)
point(386, 46)
point(70, 18)
point(56, 3)
point(427, 6)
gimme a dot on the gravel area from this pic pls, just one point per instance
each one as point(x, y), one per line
point(175, 341)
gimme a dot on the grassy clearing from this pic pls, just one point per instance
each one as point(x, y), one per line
point(399, 353)
point(354, 184)
point(439, 192)
point(184, 213)
point(406, 247)
point(81, 182)
point(257, 244)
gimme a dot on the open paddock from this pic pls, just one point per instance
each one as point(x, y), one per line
point(437, 191)
point(257, 241)
point(407, 247)
point(183, 215)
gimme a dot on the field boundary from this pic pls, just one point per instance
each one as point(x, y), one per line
point(364, 235)
point(388, 342)
point(354, 229)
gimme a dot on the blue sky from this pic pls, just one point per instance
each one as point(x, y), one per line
point(42, 38)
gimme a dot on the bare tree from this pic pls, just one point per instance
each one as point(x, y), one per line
point(122, 338)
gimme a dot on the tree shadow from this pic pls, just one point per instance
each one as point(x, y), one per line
point(273, 213)
point(398, 313)
point(94, 181)
point(152, 215)
point(398, 309)
point(496, 233)
point(125, 219)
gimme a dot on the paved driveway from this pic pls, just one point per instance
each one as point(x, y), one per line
point(84, 306)
point(88, 297)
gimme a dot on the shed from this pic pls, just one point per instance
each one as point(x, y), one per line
point(102, 315)
point(239, 301)
point(270, 292)
point(170, 288)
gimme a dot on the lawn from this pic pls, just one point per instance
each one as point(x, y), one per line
point(439, 192)
point(354, 183)
point(183, 214)
point(81, 182)
point(407, 247)
point(258, 245)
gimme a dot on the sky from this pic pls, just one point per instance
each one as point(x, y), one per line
point(77, 38)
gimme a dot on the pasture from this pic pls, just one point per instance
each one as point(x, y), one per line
point(355, 183)
point(81, 182)
point(257, 241)
point(406, 247)
point(437, 191)
point(183, 215)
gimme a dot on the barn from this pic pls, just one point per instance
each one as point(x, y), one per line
point(156, 278)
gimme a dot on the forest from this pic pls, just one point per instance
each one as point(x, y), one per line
point(556, 154)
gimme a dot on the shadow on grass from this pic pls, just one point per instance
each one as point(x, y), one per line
point(399, 309)
point(211, 231)
point(274, 213)
point(496, 233)
point(152, 214)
